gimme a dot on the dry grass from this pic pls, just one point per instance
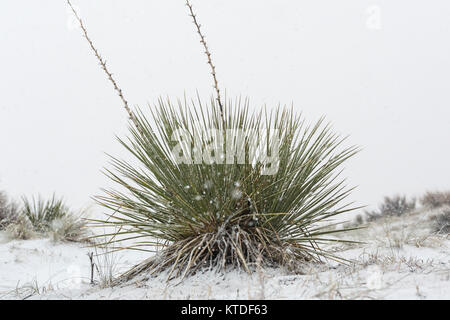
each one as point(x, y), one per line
point(249, 214)
point(441, 221)
point(71, 228)
point(235, 247)
point(20, 229)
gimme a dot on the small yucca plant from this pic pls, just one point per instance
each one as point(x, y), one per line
point(226, 214)
point(42, 213)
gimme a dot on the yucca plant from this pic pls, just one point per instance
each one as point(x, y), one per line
point(395, 206)
point(226, 214)
point(42, 213)
point(267, 202)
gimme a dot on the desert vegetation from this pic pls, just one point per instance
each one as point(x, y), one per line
point(8, 211)
point(42, 213)
point(219, 209)
point(221, 215)
point(40, 217)
point(395, 206)
point(436, 199)
point(441, 222)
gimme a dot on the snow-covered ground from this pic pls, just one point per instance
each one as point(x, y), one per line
point(400, 259)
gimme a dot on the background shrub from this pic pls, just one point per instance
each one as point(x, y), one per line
point(392, 207)
point(8, 211)
point(436, 199)
point(442, 222)
point(20, 229)
point(71, 227)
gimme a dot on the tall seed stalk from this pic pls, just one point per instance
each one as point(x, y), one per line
point(104, 67)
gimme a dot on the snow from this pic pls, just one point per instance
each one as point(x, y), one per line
point(400, 259)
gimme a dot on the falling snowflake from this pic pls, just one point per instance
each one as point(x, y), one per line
point(236, 194)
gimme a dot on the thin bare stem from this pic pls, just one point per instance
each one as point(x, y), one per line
point(207, 52)
point(103, 65)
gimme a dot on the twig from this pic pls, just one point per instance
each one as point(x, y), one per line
point(207, 52)
point(91, 259)
point(103, 65)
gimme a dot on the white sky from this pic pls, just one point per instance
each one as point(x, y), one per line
point(379, 71)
